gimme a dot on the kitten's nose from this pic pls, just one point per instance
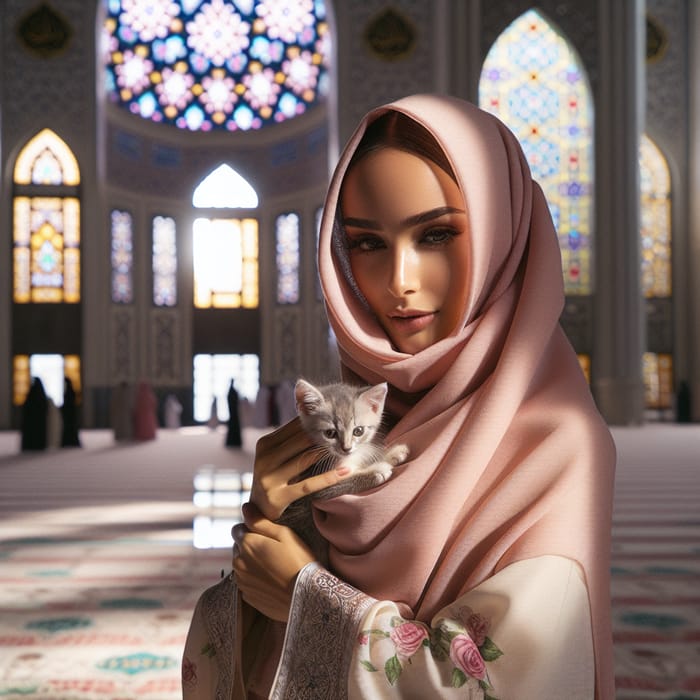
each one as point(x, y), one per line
point(347, 449)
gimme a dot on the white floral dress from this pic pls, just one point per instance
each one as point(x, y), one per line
point(523, 633)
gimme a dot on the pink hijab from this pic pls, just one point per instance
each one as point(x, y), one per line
point(509, 457)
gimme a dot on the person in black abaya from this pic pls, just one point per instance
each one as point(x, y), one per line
point(233, 433)
point(69, 414)
point(34, 417)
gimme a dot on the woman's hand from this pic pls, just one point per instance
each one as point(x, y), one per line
point(280, 457)
point(267, 559)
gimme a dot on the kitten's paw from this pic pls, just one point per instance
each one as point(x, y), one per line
point(381, 473)
point(397, 454)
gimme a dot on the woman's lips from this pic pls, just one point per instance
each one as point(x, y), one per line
point(412, 322)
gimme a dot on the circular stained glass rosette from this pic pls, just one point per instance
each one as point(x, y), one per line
point(216, 64)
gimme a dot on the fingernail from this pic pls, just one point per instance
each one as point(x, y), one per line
point(342, 471)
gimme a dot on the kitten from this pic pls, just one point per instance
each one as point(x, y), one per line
point(343, 421)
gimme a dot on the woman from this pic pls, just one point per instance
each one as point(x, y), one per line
point(480, 569)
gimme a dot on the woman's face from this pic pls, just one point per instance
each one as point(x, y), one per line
point(407, 229)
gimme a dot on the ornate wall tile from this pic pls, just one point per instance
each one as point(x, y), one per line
point(48, 86)
point(165, 347)
point(123, 345)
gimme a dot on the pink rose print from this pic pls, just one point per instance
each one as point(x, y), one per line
point(465, 655)
point(363, 638)
point(408, 638)
point(478, 627)
point(189, 672)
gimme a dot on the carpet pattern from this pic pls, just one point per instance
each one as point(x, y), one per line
point(95, 619)
point(99, 576)
point(656, 563)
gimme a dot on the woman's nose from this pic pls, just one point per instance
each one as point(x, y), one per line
point(404, 276)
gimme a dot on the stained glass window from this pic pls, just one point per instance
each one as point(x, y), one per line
point(46, 250)
point(655, 215)
point(46, 228)
point(122, 257)
point(225, 252)
point(287, 232)
point(225, 260)
point(216, 64)
point(657, 369)
point(46, 160)
point(533, 80)
point(164, 261)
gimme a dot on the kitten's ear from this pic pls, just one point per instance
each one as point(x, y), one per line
point(375, 397)
point(309, 399)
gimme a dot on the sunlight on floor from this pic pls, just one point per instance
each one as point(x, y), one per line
point(218, 496)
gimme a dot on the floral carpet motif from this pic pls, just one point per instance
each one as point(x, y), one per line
point(111, 624)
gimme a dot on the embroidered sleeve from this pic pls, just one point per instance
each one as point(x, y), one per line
point(523, 633)
point(326, 614)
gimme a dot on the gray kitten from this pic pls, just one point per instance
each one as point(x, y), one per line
point(343, 421)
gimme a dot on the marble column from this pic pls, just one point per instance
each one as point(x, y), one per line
point(617, 307)
point(693, 263)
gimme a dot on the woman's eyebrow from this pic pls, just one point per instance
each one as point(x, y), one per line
point(410, 221)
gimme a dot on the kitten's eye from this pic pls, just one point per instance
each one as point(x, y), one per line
point(330, 433)
point(357, 432)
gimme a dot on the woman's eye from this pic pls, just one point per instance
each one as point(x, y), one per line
point(437, 236)
point(359, 431)
point(365, 243)
point(330, 433)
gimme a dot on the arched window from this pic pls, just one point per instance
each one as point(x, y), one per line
point(216, 64)
point(225, 249)
point(287, 230)
point(164, 261)
point(655, 216)
point(46, 222)
point(533, 80)
point(656, 272)
point(122, 257)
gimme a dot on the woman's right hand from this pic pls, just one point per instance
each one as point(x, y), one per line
point(280, 457)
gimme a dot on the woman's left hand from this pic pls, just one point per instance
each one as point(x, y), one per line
point(267, 559)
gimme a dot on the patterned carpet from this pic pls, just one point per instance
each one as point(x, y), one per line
point(656, 563)
point(99, 575)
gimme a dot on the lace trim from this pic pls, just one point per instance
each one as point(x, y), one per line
point(323, 623)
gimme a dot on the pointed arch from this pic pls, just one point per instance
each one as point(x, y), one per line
point(46, 159)
point(225, 188)
point(46, 222)
point(534, 81)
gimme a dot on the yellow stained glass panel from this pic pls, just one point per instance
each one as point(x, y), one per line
point(655, 220)
point(225, 261)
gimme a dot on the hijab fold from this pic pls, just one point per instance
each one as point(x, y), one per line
point(509, 457)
